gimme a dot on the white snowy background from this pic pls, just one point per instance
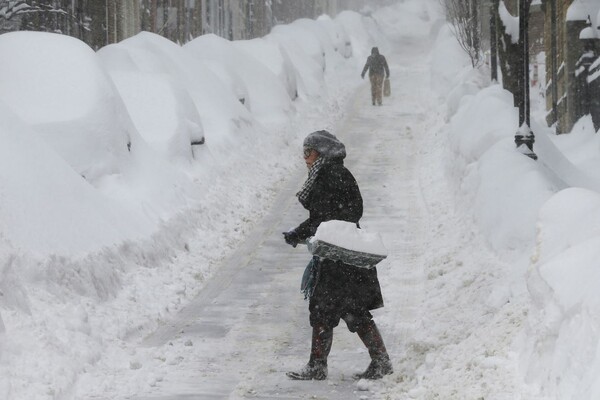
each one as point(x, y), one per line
point(113, 215)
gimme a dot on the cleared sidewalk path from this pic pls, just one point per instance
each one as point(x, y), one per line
point(250, 324)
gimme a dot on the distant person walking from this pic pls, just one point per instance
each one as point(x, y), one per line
point(378, 67)
point(336, 290)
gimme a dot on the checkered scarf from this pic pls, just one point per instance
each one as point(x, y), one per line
point(310, 181)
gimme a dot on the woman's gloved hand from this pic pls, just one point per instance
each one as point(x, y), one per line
point(291, 238)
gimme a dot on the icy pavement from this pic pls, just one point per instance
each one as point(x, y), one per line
point(250, 323)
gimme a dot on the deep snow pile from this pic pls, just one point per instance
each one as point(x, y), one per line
point(104, 180)
point(542, 218)
point(96, 203)
point(510, 309)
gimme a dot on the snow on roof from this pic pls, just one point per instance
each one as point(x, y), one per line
point(581, 10)
point(588, 33)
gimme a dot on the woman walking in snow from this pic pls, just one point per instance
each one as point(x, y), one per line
point(338, 290)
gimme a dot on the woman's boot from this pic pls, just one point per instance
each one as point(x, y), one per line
point(380, 360)
point(316, 369)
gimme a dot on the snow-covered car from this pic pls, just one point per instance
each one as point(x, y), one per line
point(55, 84)
point(275, 58)
point(159, 104)
point(309, 72)
point(339, 38)
point(267, 98)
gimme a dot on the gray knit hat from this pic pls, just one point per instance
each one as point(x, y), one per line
point(326, 144)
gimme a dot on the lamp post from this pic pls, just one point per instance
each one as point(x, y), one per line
point(524, 138)
point(494, 40)
point(554, 66)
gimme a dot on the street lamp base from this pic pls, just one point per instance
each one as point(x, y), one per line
point(524, 139)
point(523, 149)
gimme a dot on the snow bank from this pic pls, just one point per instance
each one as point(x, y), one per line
point(339, 39)
point(560, 343)
point(473, 139)
point(207, 107)
point(544, 217)
point(267, 97)
point(581, 146)
point(161, 107)
point(449, 68)
point(494, 179)
point(303, 33)
point(57, 87)
point(273, 57)
point(89, 262)
point(361, 38)
point(45, 204)
point(309, 73)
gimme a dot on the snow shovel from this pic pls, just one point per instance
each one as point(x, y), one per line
point(344, 241)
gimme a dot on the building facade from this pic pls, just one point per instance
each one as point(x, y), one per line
point(101, 22)
point(567, 99)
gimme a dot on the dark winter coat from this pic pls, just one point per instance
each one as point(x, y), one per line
point(340, 288)
point(376, 64)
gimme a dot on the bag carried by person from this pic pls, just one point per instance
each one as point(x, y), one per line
point(387, 90)
point(309, 278)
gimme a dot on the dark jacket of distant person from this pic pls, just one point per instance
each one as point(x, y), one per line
point(376, 64)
